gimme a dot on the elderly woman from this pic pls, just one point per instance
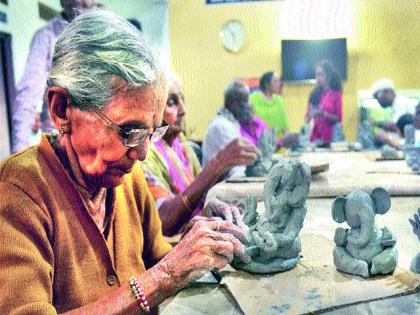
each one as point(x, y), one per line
point(80, 232)
point(174, 175)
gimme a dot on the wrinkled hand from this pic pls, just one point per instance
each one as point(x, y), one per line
point(416, 224)
point(201, 250)
point(238, 152)
point(217, 208)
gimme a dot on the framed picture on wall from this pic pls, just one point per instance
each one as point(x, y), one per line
point(7, 87)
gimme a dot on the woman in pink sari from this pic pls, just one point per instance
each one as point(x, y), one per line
point(325, 104)
point(175, 177)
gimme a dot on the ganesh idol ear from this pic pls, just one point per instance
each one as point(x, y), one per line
point(381, 199)
point(338, 213)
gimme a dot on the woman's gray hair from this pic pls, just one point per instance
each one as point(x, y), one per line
point(94, 50)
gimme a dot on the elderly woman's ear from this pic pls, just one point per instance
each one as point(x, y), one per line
point(59, 105)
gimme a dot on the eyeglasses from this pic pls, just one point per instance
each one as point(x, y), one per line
point(131, 137)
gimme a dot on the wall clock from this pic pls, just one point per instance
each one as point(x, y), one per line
point(233, 35)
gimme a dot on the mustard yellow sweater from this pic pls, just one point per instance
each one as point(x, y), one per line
point(53, 258)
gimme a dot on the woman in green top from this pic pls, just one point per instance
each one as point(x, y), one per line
point(269, 106)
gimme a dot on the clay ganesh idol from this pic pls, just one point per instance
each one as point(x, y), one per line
point(364, 249)
point(415, 223)
point(273, 241)
point(267, 146)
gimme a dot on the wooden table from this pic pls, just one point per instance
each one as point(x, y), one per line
point(318, 225)
point(348, 171)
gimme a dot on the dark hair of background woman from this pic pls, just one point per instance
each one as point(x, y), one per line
point(333, 79)
point(265, 80)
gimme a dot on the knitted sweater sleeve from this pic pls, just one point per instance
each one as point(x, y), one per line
point(26, 254)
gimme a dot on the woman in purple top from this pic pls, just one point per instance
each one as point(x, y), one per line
point(325, 104)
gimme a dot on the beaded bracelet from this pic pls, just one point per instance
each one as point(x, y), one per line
point(186, 202)
point(139, 295)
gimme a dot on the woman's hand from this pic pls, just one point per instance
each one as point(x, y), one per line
point(318, 113)
point(416, 224)
point(217, 208)
point(238, 152)
point(313, 111)
point(209, 244)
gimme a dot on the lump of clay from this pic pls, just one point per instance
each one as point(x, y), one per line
point(365, 135)
point(411, 152)
point(412, 157)
point(267, 146)
point(364, 249)
point(409, 134)
point(415, 264)
point(388, 152)
point(273, 241)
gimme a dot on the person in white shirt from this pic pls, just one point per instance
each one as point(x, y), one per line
point(388, 120)
point(226, 126)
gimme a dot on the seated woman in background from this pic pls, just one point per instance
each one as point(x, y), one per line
point(325, 104)
point(79, 228)
point(173, 173)
point(269, 106)
point(252, 126)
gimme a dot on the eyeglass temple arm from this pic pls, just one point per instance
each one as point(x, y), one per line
point(98, 112)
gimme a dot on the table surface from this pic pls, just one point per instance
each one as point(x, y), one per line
point(347, 171)
point(318, 221)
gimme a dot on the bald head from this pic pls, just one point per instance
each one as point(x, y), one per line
point(237, 101)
